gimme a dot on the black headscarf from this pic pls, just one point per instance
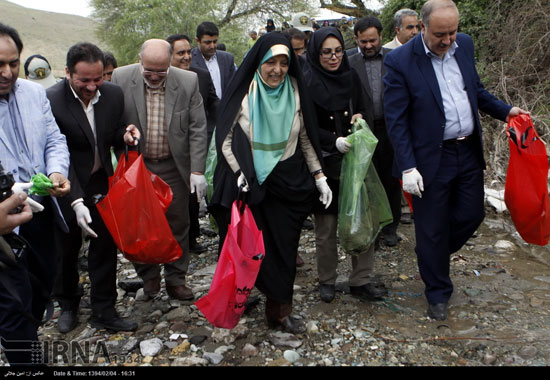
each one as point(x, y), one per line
point(230, 106)
point(330, 90)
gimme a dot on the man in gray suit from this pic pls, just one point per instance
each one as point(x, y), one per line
point(220, 64)
point(369, 66)
point(165, 104)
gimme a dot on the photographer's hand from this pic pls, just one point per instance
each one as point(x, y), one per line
point(9, 220)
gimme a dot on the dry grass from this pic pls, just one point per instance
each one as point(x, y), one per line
point(47, 33)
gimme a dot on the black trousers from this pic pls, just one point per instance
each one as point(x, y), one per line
point(383, 163)
point(18, 330)
point(102, 259)
point(449, 212)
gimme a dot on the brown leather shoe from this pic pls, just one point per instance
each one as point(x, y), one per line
point(151, 287)
point(299, 261)
point(180, 292)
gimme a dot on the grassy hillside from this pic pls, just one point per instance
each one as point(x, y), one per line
point(47, 33)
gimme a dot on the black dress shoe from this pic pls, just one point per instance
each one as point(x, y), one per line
point(67, 321)
point(438, 311)
point(391, 239)
point(114, 324)
point(308, 225)
point(195, 247)
point(369, 291)
point(327, 292)
point(289, 324)
point(130, 285)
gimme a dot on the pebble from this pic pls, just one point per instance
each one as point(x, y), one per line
point(189, 361)
point(213, 357)
point(527, 352)
point(291, 355)
point(284, 339)
point(249, 350)
point(150, 347)
point(347, 332)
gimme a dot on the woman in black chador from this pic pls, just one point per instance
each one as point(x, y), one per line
point(267, 143)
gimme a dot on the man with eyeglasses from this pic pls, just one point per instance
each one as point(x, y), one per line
point(166, 106)
point(369, 65)
point(406, 27)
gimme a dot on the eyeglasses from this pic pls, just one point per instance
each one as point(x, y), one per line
point(328, 53)
point(158, 73)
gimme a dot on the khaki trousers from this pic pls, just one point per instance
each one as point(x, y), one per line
point(326, 226)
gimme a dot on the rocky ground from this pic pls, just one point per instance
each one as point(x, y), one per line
point(498, 315)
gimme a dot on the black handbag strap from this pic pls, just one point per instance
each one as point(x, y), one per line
point(126, 149)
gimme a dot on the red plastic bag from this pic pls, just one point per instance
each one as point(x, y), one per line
point(133, 212)
point(238, 266)
point(526, 191)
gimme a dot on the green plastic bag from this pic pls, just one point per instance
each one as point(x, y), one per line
point(40, 185)
point(211, 162)
point(363, 207)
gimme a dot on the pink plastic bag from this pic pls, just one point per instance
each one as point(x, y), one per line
point(238, 266)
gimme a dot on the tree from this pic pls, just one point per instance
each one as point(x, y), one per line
point(125, 24)
point(357, 8)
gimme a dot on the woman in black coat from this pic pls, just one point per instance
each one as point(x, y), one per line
point(337, 96)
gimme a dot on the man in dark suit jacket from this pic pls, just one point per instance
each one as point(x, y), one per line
point(369, 66)
point(220, 64)
point(431, 101)
point(89, 113)
point(181, 57)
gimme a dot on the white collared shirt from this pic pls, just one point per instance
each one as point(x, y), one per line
point(214, 69)
point(459, 118)
point(89, 111)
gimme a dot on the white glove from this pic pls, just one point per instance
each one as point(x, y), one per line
point(324, 189)
point(35, 206)
point(83, 218)
point(19, 187)
point(413, 183)
point(22, 188)
point(242, 184)
point(198, 184)
point(342, 145)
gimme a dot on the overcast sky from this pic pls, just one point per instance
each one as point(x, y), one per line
point(81, 7)
point(75, 7)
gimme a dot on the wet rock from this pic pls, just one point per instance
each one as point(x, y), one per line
point(222, 350)
point(129, 345)
point(189, 361)
point(312, 327)
point(155, 315)
point(489, 359)
point(222, 335)
point(197, 339)
point(150, 347)
point(527, 352)
point(505, 245)
point(535, 302)
point(291, 355)
point(284, 339)
point(179, 314)
point(249, 350)
point(213, 357)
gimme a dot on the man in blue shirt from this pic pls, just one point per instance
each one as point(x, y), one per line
point(431, 100)
point(30, 143)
